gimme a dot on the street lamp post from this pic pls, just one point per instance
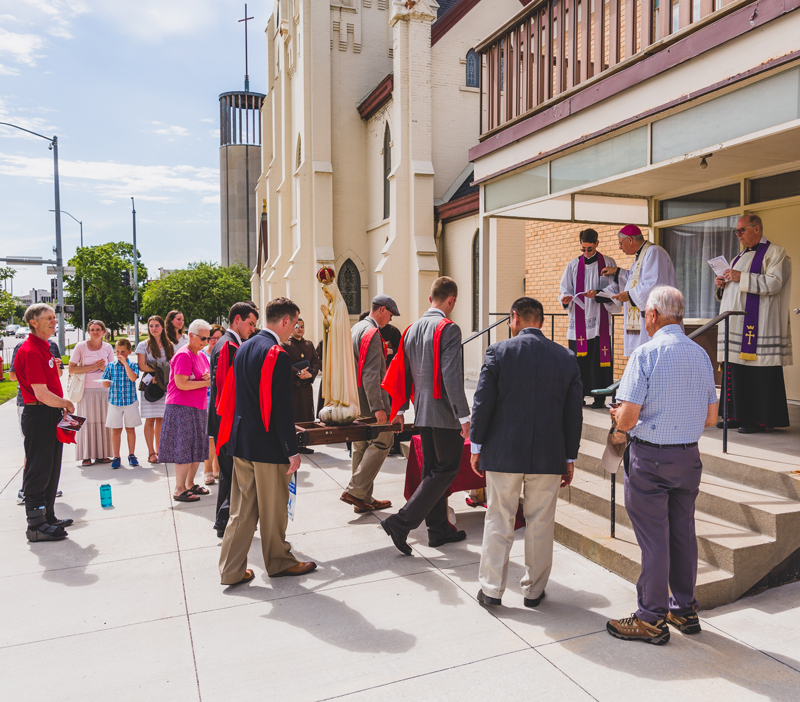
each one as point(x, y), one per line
point(59, 257)
point(83, 301)
point(135, 279)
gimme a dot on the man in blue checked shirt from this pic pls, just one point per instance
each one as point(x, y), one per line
point(667, 397)
point(123, 404)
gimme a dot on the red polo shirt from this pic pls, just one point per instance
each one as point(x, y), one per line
point(35, 365)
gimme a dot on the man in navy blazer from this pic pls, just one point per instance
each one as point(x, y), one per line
point(527, 416)
point(263, 457)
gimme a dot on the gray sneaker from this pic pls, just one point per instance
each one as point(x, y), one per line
point(20, 498)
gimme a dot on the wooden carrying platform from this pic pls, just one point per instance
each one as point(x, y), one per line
point(364, 429)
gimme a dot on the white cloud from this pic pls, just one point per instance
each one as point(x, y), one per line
point(17, 116)
point(172, 131)
point(8, 71)
point(23, 48)
point(210, 200)
point(115, 180)
point(208, 120)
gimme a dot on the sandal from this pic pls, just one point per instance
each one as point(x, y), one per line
point(248, 576)
point(103, 460)
point(186, 496)
point(197, 490)
point(86, 462)
point(150, 458)
point(209, 479)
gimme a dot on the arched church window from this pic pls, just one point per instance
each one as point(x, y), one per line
point(473, 63)
point(476, 282)
point(350, 286)
point(387, 169)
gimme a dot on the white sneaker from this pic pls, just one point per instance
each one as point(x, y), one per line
point(20, 498)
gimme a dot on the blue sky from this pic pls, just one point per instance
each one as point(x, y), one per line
point(130, 88)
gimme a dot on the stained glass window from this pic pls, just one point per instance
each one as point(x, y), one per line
point(349, 280)
point(473, 78)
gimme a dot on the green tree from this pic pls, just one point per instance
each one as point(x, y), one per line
point(8, 305)
point(203, 290)
point(107, 299)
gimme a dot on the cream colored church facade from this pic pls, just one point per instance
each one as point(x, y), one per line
point(369, 115)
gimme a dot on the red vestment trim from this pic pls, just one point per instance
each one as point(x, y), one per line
point(228, 402)
point(224, 363)
point(437, 357)
point(366, 340)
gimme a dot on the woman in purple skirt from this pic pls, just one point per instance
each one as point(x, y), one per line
point(184, 437)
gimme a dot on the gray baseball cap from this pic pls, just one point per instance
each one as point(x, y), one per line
point(387, 302)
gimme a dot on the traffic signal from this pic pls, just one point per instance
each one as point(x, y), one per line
point(126, 278)
point(135, 307)
point(53, 289)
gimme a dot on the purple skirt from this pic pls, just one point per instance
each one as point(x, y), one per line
point(184, 438)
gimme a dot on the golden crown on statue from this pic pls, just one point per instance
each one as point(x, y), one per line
point(326, 275)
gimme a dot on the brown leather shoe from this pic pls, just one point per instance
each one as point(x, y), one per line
point(374, 505)
point(300, 568)
point(358, 504)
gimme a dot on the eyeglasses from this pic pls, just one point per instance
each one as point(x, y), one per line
point(204, 338)
point(741, 231)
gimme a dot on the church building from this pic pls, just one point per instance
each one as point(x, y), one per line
point(369, 114)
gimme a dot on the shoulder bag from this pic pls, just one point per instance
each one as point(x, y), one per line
point(76, 383)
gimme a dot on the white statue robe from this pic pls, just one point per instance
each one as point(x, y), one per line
point(657, 269)
point(773, 285)
point(592, 281)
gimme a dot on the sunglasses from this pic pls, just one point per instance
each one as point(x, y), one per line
point(204, 338)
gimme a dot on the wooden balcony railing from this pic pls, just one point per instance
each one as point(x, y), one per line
point(552, 46)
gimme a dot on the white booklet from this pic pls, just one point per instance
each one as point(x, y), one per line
point(719, 265)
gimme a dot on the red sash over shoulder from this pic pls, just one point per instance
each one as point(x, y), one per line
point(224, 363)
point(395, 382)
point(227, 405)
point(366, 340)
point(437, 357)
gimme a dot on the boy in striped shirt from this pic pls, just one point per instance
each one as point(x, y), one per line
point(123, 404)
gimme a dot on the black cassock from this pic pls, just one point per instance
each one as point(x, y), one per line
point(300, 350)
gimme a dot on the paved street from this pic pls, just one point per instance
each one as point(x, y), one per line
point(130, 608)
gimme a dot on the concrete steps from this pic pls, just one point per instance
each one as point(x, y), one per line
point(747, 518)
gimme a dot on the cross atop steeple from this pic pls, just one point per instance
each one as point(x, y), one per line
point(245, 19)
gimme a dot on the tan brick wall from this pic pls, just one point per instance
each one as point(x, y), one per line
point(549, 246)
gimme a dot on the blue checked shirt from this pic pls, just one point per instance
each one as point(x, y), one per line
point(123, 390)
point(672, 379)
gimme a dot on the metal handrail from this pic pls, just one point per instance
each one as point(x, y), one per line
point(487, 330)
point(724, 317)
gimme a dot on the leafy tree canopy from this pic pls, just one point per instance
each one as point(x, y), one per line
point(107, 299)
point(203, 290)
point(8, 305)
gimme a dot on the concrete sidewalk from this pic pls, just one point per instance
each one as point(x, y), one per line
point(130, 608)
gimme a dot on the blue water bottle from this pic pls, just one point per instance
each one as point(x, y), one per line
point(105, 495)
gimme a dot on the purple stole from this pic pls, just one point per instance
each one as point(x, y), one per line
point(750, 331)
point(581, 342)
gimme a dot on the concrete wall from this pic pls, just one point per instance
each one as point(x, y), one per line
point(239, 168)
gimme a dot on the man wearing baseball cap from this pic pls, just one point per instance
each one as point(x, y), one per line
point(651, 267)
point(369, 350)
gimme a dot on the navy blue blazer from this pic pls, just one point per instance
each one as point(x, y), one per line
point(527, 413)
point(213, 417)
point(249, 439)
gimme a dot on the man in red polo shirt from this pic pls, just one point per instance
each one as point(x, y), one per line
point(39, 381)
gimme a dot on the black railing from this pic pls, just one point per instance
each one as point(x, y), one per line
point(724, 317)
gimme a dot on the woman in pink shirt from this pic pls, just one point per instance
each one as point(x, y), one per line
point(184, 436)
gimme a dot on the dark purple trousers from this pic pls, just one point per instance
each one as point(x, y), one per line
point(661, 486)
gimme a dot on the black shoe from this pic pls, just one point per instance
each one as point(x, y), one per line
point(45, 532)
point(395, 451)
point(221, 532)
point(533, 602)
point(397, 540)
point(732, 424)
point(751, 429)
point(63, 523)
point(450, 538)
point(599, 403)
point(487, 601)
point(306, 450)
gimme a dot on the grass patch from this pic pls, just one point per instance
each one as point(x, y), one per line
point(8, 390)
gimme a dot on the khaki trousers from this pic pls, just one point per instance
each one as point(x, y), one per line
point(259, 495)
point(539, 497)
point(368, 457)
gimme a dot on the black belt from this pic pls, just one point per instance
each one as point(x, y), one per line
point(32, 404)
point(663, 446)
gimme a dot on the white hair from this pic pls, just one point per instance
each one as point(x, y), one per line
point(36, 310)
point(198, 325)
point(667, 301)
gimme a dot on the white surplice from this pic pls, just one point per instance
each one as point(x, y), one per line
point(657, 269)
point(592, 280)
point(772, 284)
